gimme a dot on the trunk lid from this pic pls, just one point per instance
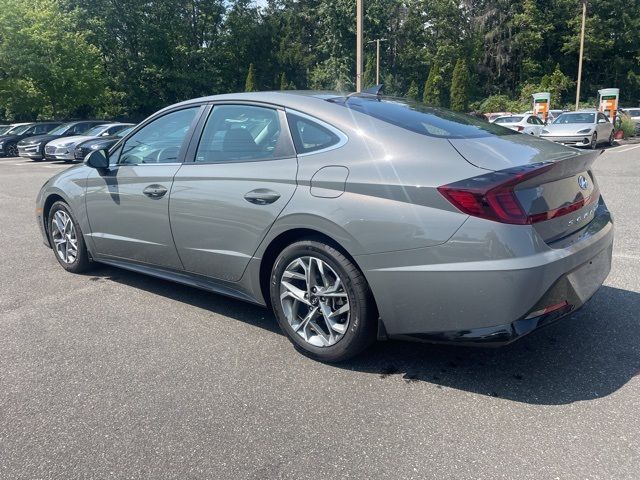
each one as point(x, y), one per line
point(561, 199)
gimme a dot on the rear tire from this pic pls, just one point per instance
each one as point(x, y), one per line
point(66, 239)
point(322, 301)
point(594, 141)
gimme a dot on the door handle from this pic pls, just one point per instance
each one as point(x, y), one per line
point(261, 196)
point(155, 191)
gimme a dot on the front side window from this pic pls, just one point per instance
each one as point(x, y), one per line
point(159, 141)
point(309, 136)
point(242, 133)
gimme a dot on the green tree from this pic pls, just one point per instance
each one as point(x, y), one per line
point(413, 93)
point(460, 86)
point(43, 49)
point(250, 82)
point(432, 93)
point(369, 74)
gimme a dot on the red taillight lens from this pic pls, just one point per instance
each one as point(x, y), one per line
point(519, 128)
point(491, 196)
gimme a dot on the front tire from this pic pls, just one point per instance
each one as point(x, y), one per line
point(12, 150)
point(594, 141)
point(611, 138)
point(322, 301)
point(66, 239)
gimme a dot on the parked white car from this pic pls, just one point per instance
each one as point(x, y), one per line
point(525, 123)
point(586, 128)
point(63, 148)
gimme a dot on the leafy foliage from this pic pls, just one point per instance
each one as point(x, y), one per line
point(460, 86)
point(80, 58)
point(250, 82)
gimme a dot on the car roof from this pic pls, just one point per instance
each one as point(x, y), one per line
point(288, 99)
point(114, 124)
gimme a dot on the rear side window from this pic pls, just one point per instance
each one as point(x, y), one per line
point(309, 136)
point(242, 133)
point(420, 118)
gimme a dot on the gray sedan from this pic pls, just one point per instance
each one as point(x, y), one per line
point(354, 218)
point(580, 129)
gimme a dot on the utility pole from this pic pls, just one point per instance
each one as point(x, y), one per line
point(359, 45)
point(584, 17)
point(377, 42)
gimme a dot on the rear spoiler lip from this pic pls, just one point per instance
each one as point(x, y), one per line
point(567, 167)
point(505, 161)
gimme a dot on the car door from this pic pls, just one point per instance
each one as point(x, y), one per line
point(604, 126)
point(128, 205)
point(536, 125)
point(223, 202)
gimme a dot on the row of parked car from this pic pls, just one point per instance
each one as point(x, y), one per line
point(69, 141)
point(584, 128)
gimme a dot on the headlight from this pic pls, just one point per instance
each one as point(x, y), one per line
point(584, 130)
point(1, 144)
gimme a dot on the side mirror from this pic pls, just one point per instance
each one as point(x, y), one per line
point(98, 159)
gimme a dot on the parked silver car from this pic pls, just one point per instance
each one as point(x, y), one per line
point(580, 129)
point(64, 148)
point(353, 217)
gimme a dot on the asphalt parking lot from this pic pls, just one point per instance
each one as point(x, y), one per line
point(117, 375)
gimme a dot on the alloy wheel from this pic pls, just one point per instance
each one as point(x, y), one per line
point(314, 301)
point(64, 237)
point(12, 150)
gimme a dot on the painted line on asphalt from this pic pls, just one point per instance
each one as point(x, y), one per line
point(615, 150)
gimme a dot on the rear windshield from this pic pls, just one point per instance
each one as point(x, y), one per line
point(420, 118)
point(509, 120)
point(566, 118)
point(634, 112)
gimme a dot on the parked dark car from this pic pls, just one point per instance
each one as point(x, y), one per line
point(9, 140)
point(102, 143)
point(33, 147)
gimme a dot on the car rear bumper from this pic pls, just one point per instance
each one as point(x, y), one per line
point(491, 300)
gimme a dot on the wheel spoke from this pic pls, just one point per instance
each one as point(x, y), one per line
point(310, 316)
point(294, 292)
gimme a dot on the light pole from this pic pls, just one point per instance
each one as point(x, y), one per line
point(377, 42)
point(359, 45)
point(584, 17)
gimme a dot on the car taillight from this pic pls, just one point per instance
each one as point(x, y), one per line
point(519, 128)
point(492, 196)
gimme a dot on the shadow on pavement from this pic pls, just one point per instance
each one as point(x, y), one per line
point(585, 356)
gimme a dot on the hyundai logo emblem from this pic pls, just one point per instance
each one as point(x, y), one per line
point(582, 181)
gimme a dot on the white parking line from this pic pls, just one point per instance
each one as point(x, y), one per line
point(615, 150)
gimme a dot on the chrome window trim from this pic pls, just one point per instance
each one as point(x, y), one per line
point(343, 138)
